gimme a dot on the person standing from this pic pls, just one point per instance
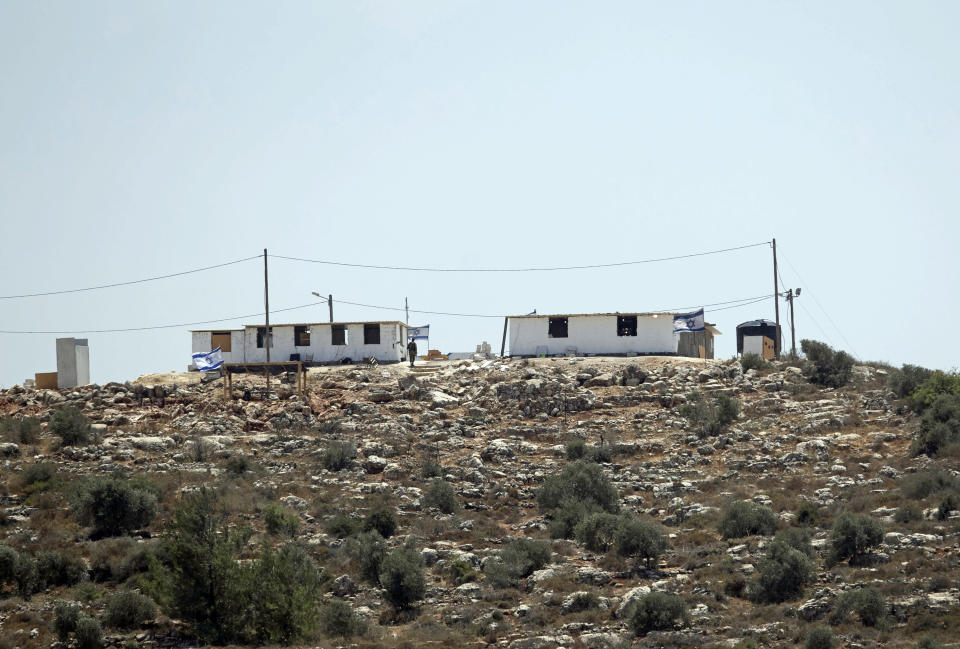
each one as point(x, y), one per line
point(412, 350)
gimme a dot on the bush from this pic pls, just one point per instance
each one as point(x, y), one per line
point(808, 513)
point(65, 618)
point(431, 469)
point(929, 643)
point(657, 612)
point(743, 518)
point(462, 572)
point(36, 476)
point(402, 577)
point(368, 551)
point(112, 505)
point(797, 538)
point(280, 521)
point(382, 520)
point(22, 430)
point(56, 569)
point(824, 366)
point(441, 496)
point(866, 602)
point(238, 464)
point(26, 575)
point(936, 385)
point(518, 560)
point(284, 588)
point(128, 609)
point(818, 637)
point(640, 539)
point(925, 483)
point(753, 362)
point(341, 526)
point(852, 537)
point(338, 456)
point(583, 601)
point(71, 426)
point(596, 531)
point(575, 449)
point(939, 426)
point(782, 573)
point(337, 619)
point(907, 380)
point(579, 481)
point(565, 519)
point(8, 564)
point(710, 418)
point(88, 633)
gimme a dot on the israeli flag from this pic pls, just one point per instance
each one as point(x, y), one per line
point(208, 361)
point(418, 333)
point(683, 322)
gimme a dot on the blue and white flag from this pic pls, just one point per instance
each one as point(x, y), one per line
point(688, 322)
point(418, 333)
point(208, 361)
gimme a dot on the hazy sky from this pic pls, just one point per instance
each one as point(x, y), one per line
point(141, 139)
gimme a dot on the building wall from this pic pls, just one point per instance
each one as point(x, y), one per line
point(593, 335)
point(73, 362)
point(203, 342)
point(392, 347)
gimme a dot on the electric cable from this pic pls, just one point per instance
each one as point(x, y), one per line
point(136, 281)
point(813, 294)
point(519, 270)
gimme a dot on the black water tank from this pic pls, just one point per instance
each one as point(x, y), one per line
point(766, 328)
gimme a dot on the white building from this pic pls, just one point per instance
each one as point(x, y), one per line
point(317, 342)
point(598, 333)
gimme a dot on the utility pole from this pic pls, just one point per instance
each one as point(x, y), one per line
point(266, 305)
point(330, 304)
point(776, 301)
point(791, 296)
point(406, 308)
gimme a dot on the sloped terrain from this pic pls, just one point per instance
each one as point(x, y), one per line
point(496, 431)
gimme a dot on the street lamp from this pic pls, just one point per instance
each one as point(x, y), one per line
point(329, 302)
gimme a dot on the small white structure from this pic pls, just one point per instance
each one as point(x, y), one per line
point(598, 333)
point(73, 362)
point(316, 342)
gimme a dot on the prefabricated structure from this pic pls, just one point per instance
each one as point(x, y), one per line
point(697, 344)
point(73, 362)
point(589, 334)
point(315, 342)
point(761, 337)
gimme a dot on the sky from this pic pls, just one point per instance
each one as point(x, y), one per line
point(146, 139)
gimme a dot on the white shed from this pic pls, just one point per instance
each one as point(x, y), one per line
point(318, 342)
point(597, 333)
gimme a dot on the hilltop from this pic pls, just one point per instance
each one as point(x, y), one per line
point(468, 468)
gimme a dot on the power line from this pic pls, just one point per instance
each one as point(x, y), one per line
point(520, 270)
point(813, 294)
point(136, 281)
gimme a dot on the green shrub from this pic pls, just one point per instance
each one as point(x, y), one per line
point(579, 481)
point(462, 572)
point(939, 426)
point(341, 526)
point(518, 560)
point(56, 569)
point(441, 496)
point(924, 483)
point(285, 586)
point(710, 418)
point(280, 521)
point(929, 643)
point(753, 362)
point(936, 385)
point(908, 513)
point(36, 476)
point(26, 575)
point(584, 601)
point(818, 637)
point(596, 531)
point(641, 539)
point(575, 449)
point(564, 520)
point(238, 464)
point(797, 538)
point(657, 612)
point(338, 456)
point(431, 469)
point(88, 633)
point(866, 602)
point(782, 573)
point(824, 366)
point(808, 513)
point(112, 506)
point(330, 426)
point(128, 609)
point(19, 430)
point(337, 619)
point(368, 551)
point(71, 426)
point(743, 518)
point(907, 380)
point(382, 520)
point(8, 564)
point(402, 577)
point(852, 537)
point(65, 618)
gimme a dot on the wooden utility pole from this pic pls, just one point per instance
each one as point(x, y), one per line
point(791, 296)
point(503, 344)
point(266, 304)
point(776, 300)
point(330, 304)
point(406, 309)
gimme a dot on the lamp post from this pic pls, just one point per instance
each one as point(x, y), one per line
point(329, 302)
point(792, 294)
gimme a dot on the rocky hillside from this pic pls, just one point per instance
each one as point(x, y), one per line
point(442, 471)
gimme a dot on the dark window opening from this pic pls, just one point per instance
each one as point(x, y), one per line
point(557, 328)
point(371, 334)
point(301, 336)
point(626, 325)
point(262, 334)
point(339, 335)
point(220, 339)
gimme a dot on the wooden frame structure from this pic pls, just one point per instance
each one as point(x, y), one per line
point(255, 368)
